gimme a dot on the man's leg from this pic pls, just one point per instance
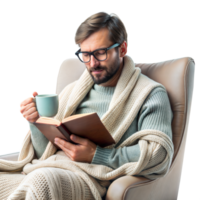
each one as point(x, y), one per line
point(53, 183)
point(9, 182)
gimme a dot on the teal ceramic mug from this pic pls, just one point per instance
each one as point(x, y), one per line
point(47, 104)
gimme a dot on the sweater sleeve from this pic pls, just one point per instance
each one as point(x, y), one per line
point(155, 113)
point(39, 141)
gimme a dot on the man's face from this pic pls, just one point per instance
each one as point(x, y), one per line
point(101, 71)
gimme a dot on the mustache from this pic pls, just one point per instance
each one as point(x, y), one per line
point(96, 69)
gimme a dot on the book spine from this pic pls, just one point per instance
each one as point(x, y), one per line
point(65, 132)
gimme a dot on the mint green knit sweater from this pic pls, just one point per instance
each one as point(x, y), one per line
point(155, 113)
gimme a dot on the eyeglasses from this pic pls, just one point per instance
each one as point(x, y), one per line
point(99, 54)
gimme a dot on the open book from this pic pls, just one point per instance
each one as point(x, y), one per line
point(86, 125)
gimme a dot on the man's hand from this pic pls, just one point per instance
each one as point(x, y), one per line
point(82, 152)
point(29, 110)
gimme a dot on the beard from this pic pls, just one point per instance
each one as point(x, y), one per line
point(110, 72)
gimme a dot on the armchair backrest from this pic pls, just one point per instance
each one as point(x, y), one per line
point(70, 71)
point(176, 75)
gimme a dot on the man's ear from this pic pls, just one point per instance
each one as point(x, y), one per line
point(123, 49)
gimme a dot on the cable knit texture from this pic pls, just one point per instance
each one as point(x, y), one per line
point(44, 178)
point(155, 114)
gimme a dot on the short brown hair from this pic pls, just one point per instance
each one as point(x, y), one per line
point(117, 31)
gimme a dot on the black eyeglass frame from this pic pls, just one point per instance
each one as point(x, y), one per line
point(92, 53)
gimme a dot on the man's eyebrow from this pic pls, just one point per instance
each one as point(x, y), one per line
point(95, 49)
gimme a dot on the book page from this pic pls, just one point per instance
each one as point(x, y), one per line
point(47, 120)
point(76, 116)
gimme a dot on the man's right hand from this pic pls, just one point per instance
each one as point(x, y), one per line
point(29, 110)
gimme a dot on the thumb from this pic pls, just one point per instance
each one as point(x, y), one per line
point(78, 139)
point(35, 94)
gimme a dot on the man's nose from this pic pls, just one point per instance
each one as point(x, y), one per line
point(93, 61)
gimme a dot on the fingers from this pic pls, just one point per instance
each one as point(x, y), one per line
point(27, 101)
point(30, 115)
point(30, 112)
point(27, 107)
point(33, 117)
point(34, 93)
point(79, 140)
point(67, 152)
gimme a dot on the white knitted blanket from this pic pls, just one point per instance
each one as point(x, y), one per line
point(55, 176)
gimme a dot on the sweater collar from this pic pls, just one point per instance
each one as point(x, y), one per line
point(103, 89)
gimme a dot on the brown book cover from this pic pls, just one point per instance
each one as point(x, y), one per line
point(86, 125)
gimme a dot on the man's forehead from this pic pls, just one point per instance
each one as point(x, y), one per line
point(99, 39)
point(93, 47)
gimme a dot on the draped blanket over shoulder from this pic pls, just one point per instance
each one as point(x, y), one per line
point(67, 179)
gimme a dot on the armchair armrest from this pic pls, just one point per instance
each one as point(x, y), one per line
point(118, 188)
point(11, 157)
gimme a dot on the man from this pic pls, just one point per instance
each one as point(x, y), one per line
point(102, 39)
point(104, 73)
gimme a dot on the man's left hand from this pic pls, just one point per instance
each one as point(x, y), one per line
point(82, 152)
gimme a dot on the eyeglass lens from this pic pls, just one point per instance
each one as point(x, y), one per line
point(99, 55)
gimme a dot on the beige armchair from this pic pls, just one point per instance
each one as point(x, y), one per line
point(177, 76)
